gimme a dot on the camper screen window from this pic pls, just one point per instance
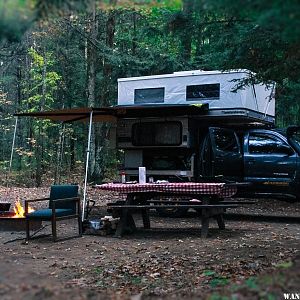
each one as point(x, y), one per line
point(156, 134)
point(153, 95)
point(203, 92)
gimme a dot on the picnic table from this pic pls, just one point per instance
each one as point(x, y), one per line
point(206, 196)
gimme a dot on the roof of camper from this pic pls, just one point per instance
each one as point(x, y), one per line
point(186, 74)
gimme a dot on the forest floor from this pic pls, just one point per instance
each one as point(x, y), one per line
point(247, 260)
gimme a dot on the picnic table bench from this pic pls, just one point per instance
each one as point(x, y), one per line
point(209, 197)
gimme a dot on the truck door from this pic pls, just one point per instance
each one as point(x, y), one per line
point(269, 160)
point(227, 159)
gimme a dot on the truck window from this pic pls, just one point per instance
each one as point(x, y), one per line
point(157, 134)
point(260, 143)
point(225, 141)
point(203, 92)
point(150, 95)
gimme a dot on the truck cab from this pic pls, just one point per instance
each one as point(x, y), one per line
point(267, 158)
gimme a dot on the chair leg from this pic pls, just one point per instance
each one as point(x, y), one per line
point(27, 229)
point(80, 212)
point(80, 225)
point(54, 235)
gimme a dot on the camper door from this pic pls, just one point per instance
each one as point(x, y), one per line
point(227, 159)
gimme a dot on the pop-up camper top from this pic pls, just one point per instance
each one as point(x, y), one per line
point(215, 88)
point(166, 117)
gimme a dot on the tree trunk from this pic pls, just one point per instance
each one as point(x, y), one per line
point(187, 9)
point(91, 76)
point(20, 130)
point(101, 131)
point(40, 139)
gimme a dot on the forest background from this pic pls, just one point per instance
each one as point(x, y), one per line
point(59, 54)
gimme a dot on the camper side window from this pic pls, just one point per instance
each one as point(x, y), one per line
point(157, 134)
point(152, 95)
point(203, 92)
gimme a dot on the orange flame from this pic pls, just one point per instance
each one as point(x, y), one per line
point(20, 211)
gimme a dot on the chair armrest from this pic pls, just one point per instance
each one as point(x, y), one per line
point(33, 200)
point(36, 200)
point(66, 200)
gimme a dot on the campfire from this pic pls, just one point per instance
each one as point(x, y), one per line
point(20, 211)
point(15, 220)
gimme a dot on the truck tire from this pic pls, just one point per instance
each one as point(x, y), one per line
point(172, 212)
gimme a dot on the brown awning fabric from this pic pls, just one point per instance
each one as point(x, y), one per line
point(104, 114)
point(110, 114)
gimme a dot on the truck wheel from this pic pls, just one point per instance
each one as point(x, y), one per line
point(172, 212)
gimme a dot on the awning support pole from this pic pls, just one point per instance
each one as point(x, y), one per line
point(12, 152)
point(60, 153)
point(87, 165)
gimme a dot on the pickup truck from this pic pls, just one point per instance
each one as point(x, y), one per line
point(269, 159)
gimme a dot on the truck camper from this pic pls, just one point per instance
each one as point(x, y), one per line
point(173, 113)
point(196, 125)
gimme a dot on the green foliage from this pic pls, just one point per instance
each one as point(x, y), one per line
point(15, 18)
point(209, 273)
point(251, 283)
point(285, 265)
point(218, 281)
point(215, 279)
point(216, 296)
point(262, 36)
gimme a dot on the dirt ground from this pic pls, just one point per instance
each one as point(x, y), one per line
point(247, 260)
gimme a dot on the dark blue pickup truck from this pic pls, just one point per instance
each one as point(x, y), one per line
point(267, 158)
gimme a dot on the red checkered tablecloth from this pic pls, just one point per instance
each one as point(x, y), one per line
point(203, 188)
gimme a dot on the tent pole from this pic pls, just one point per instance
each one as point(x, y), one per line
point(12, 152)
point(87, 165)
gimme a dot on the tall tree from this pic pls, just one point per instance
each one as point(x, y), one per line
point(91, 58)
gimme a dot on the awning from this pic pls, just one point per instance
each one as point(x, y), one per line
point(110, 114)
point(104, 114)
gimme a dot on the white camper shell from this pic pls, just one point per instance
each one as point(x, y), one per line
point(215, 88)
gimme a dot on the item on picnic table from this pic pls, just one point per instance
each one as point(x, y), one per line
point(195, 200)
point(142, 175)
point(162, 181)
point(123, 177)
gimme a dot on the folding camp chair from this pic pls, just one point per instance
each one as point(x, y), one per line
point(64, 203)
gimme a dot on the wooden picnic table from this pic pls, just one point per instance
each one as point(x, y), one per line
point(206, 196)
